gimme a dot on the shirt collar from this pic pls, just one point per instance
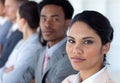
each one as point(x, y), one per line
point(3, 20)
point(91, 79)
point(14, 27)
point(51, 50)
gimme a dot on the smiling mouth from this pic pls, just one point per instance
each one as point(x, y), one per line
point(77, 59)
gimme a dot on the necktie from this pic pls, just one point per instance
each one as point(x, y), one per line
point(47, 58)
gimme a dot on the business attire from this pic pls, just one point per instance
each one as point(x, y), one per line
point(3, 20)
point(4, 29)
point(20, 58)
point(100, 77)
point(57, 68)
point(9, 45)
point(0, 21)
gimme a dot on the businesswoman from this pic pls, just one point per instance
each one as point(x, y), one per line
point(88, 42)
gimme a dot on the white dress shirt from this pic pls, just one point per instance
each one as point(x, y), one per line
point(77, 79)
point(93, 77)
point(51, 50)
point(12, 29)
point(3, 20)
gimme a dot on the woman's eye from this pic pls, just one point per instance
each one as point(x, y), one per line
point(88, 42)
point(71, 41)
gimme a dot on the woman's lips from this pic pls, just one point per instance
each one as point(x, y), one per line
point(77, 59)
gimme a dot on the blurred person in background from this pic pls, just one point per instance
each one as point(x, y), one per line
point(27, 48)
point(14, 35)
point(2, 11)
point(5, 24)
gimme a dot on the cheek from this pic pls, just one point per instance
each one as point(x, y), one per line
point(41, 26)
point(1, 9)
point(20, 24)
point(12, 11)
point(61, 30)
point(69, 49)
point(93, 54)
point(92, 57)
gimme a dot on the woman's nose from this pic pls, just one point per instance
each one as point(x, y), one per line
point(78, 49)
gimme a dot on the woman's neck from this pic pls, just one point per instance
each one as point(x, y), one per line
point(89, 72)
point(28, 33)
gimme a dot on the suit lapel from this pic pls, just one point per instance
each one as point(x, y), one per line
point(57, 55)
point(39, 71)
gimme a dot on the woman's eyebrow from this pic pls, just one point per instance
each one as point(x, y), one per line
point(70, 37)
point(88, 38)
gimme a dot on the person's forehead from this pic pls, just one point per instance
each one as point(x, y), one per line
point(10, 2)
point(52, 9)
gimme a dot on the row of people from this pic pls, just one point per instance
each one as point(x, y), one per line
point(53, 56)
point(5, 25)
point(13, 35)
point(27, 48)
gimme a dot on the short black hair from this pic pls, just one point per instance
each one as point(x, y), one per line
point(65, 4)
point(29, 11)
point(98, 22)
point(68, 11)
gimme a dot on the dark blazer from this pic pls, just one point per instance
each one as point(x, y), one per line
point(4, 29)
point(9, 45)
point(58, 68)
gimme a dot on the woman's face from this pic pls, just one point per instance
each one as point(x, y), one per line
point(20, 22)
point(84, 47)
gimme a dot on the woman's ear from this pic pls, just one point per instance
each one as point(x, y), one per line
point(23, 21)
point(106, 48)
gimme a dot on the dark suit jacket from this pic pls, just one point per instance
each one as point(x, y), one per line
point(58, 68)
point(4, 29)
point(9, 45)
